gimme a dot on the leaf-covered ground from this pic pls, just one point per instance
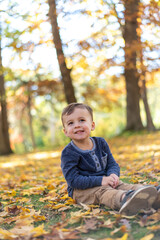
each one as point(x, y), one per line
point(34, 202)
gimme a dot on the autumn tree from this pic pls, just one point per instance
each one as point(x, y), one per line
point(148, 16)
point(4, 135)
point(65, 72)
point(19, 44)
point(14, 43)
point(143, 89)
point(130, 70)
point(123, 37)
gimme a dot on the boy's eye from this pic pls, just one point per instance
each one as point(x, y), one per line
point(70, 123)
point(82, 120)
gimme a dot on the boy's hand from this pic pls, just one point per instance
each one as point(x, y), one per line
point(112, 180)
point(108, 181)
point(116, 180)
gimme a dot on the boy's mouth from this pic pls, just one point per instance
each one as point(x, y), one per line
point(79, 131)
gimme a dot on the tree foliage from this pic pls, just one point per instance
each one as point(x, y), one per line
point(125, 22)
point(104, 49)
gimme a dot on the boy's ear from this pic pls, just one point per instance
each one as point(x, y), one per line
point(65, 132)
point(93, 126)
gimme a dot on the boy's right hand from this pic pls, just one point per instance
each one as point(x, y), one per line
point(108, 181)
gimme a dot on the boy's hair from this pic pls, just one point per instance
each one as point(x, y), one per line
point(72, 106)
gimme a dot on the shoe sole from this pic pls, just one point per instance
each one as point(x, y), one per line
point(156, 204)
point(143, 198)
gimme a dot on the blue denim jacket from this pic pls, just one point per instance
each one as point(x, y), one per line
point(84, 169)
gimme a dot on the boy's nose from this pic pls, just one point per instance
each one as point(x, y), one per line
point(77, 124)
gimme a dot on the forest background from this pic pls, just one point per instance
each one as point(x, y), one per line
point(102, 52)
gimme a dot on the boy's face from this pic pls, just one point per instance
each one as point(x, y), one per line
point(78, 124)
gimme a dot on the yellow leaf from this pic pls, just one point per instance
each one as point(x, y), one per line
point(26, 192)
point(13, 193)
point(58, 206)
point(24, 210)
point(65, 230)
point(39, 218)
point(125, 237)
point(65, 196)
point(70, 201)
point(148, 237)
point(93, 206)
point(24, 199)
point(4, 234)
point(39, 231)
point(154, 228)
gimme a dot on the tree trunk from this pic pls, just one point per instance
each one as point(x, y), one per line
point(4, 136)
point(150, 125)
point(30, 119)
point(131, 75)
point(143, 90)
point(22, 128)
point(65, 72)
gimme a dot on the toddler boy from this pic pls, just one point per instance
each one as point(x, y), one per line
point(91, 171)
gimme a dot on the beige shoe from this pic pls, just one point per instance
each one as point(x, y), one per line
point(134, 201)
point(156, 203)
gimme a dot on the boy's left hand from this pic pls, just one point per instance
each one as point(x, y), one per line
point(116, 180)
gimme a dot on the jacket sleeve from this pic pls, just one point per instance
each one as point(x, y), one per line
point(112, 165)
point(69, 165)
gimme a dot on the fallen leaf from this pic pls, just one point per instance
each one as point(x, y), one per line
point(148, 237)
point(64, 208)
point(3, 214)
point(39, 218)
point(115, 231)
point(154, 228)
point(57, 206)
point(124, 237)
point(13, 209)
point(90, 224)
point(38, 231)
point(86, 207)
point(4, 234)
point(126, 223)
point(109, 224)
point(22, 231)
point(96, 211)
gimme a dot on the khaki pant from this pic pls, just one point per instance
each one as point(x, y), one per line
point(105, 195)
